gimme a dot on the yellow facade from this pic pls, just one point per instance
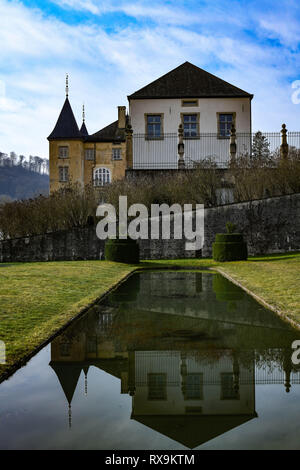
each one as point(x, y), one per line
point(81, 170)
point(104, 159)
point(95, 159)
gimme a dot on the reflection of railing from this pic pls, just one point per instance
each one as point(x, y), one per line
point(276, 376)
point(168, 362)
point(269, 379)
point(162, 153)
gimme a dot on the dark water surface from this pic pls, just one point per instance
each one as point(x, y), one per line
point(170, 360)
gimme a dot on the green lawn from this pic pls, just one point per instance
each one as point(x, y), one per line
point(37, 299)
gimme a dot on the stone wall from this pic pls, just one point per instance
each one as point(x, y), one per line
point(269, 226)
point(76, 244)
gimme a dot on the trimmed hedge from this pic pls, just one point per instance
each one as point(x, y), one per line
point(229, 247)
point(122, 251)
point(229, 237)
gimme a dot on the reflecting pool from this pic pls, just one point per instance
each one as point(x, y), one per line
point(169, 360)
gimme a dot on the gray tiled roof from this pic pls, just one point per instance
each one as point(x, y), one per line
point(110, 133)
point(189, 81)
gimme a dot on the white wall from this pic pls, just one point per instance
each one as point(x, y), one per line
point(169, 362)
point(162, 154)
point(208, 109)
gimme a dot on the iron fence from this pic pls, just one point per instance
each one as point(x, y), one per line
point(162, 152)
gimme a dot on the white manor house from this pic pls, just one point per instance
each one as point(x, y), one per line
point(205, 105)
point(183, 117)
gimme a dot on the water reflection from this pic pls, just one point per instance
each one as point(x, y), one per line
point(188, 348)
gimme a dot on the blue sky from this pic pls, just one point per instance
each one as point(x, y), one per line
point(112, 48)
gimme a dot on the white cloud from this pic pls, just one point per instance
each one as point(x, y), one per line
point(157, 12)
point(284, 28)
point(105, 67)
point(87, 5)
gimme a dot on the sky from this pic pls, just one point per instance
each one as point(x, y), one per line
point(112, 48)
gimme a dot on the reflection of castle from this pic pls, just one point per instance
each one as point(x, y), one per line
point(189, 400)
point(190, 379)
point(176, 393)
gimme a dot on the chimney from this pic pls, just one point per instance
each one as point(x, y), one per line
point(121, 117)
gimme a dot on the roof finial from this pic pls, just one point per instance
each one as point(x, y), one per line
point(83, 113)
point(70, 416)
point(67, 86)
point(85, 384)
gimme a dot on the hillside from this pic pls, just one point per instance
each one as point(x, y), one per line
point(20, 183)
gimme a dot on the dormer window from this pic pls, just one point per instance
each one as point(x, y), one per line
point(63, 152)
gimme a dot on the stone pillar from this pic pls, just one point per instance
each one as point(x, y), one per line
point(232, 148)
point(181, 163)
point(129, 148)
point(284, 147)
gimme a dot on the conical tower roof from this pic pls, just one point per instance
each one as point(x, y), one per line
point(83, 130)
point(66, 126)
point(68, 375)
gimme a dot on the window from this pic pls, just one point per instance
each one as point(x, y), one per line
point(116, 154)
point(63, 152)
point(190, 125)
point(154, 126)
point(225, 122)
point(101, 177)
point(91, 345)
point(194, 387)
point(89, 154)
point(63, 174)
point(188, 103)
point(157, 386)
point(228, 391)
point(64, 349)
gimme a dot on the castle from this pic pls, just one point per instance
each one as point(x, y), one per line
point(77, 157)
point(202, 105)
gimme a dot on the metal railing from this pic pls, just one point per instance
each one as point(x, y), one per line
point(162, 152)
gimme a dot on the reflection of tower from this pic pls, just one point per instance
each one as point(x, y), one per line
point(131, 373)
point(105, 324)
point(70, 415)
point(85, 370)
point(68, 375)
point(287, 367)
